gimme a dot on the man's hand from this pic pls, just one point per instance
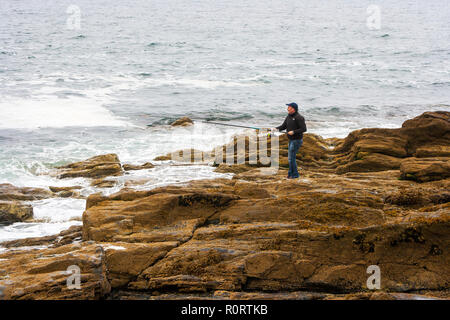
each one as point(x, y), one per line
point(290, 133)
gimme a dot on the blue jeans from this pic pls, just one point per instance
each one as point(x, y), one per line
point(294, 145)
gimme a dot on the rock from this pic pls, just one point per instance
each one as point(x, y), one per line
point(425, 169)
point(158, 217)
point(162, 158)
point(263, 235)
point(14, 211)
point(61, 189)
point(237, 168)
point(268, 258)
point(370, 162)
point(184, 121)
point(186, 155)
point(137, 182)
point(70, 194)
point(11, 193)
point(417, 196)
point(129, 167)
point(95, 167)
point(66, 192)
point(103, 183)
point(44, 274)
point(376, 149)
point(125, 261)
point(432, 151)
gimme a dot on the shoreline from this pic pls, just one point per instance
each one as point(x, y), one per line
point(378, 196)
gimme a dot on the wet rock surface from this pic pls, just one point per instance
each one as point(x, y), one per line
point(14, 202)
point(130, 167)
point(14, 211)
point(95, 167)
point(184, 121)
point(10, 192)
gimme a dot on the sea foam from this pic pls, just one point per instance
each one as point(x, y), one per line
point(51, 111)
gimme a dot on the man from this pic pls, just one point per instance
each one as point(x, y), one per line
point(294, 124)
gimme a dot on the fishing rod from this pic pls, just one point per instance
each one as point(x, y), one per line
point(229, 125)
point(222, 124)
point(233, 125)
point(240, 126)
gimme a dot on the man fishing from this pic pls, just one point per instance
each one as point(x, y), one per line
point(294, 124)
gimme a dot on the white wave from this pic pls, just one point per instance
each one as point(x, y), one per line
point(197, 83)
point(22, 230)
point(58, 209)
point(50, 111)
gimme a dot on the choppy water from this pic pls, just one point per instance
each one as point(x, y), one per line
point(68, 94)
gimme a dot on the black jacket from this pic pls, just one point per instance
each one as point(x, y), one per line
point(295, 123)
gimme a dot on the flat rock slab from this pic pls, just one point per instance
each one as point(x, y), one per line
point(41, 274)
point(425, 169)
point(11, 193)
point(95, 167)
point(130, 167)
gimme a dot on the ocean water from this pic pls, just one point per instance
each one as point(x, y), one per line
point(69, 93)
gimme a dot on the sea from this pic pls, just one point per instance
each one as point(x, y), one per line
point(81, 78)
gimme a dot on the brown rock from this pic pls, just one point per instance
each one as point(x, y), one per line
point(425, 169)
point(237, 168)
point(66, 192)
point(60, 189)
point(432, 151)
point(14, 211)
point(125, 261)
point(158, 217)
point(10, 192)
point(95, 167)
point(163, 158)
point(184, 121)
point(427, 135)
point(43, 274)
point(103, 183)
point(370, 162)
point(129, 167)
point(270, 235)
point(186, 155)
point(242, 260)
point(137, 182)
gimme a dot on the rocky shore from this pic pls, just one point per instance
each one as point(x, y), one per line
point(378, 197)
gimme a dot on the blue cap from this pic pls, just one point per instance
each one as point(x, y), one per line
point(293, 105)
